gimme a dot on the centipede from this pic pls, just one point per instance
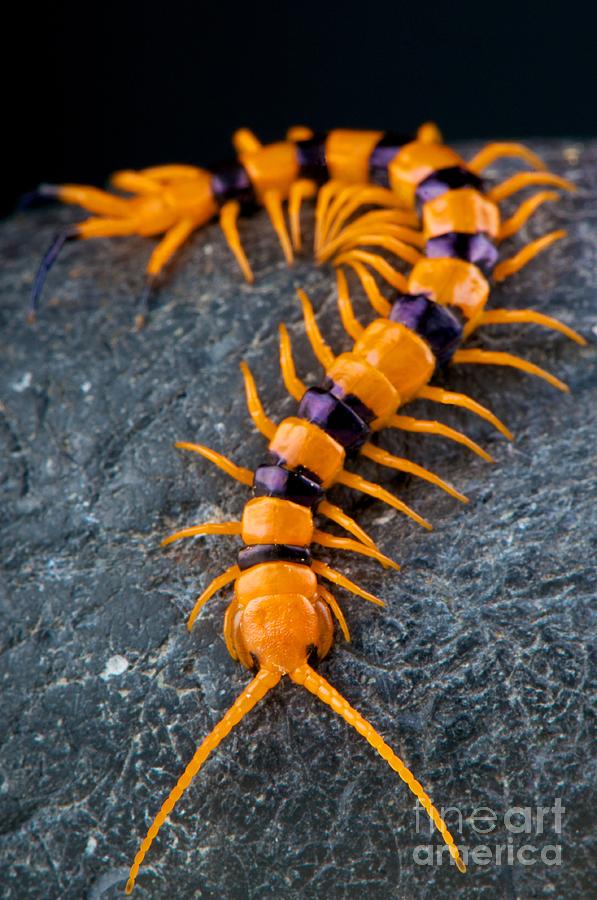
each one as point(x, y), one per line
point(419, 201)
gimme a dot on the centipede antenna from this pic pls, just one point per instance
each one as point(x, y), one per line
point(70, 233)
point(317, 685)
point(42, 195)
point(255, 691)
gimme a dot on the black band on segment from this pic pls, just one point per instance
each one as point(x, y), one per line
point(382, 155)
point(351, 400)
point(275, 481)
point(475, 248)
point(230, 181)
point(335, 417)
point(255, 554)
point(311, 157)
point(434, 323)
point(444, 180)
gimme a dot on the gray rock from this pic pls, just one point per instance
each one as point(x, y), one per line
point(477, 671)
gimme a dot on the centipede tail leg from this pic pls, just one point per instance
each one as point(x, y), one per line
point(263, 682)
point(317, 685)
point(71, 233)
point(515, 263)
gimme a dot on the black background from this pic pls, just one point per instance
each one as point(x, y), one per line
point(94, 87)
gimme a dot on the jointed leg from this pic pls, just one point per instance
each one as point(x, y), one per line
point(335, 608)
point(324, 571)
point(511, 316)
point(491, 152)
point(239, 473)
point(321, 350)
point(394, 278)
point(357, 235)
point(244, 141)
point(527, 179)
point(221, 581)
point(71, 233)
point(340, 543)
point(165, 250)
point(256, 411)
point(351, 325)
point(507, 359)
point(272, 200)
point(292, 382)
point(524, 212)
point(337, 515)
point(135, 183)
point(172, 173)
point(229, 224)
point(206, 528)
point(509, 266)
point(300, 190)
point(424, 426)
point(383, 458)
point(375, 490)
point(450, 398)
point(376, 299)
point(92, 199)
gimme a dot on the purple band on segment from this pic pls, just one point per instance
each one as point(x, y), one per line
point(274, 481)
point(255, 554)
point(382, 155)
point(230, 181)
point(355, 403)
point(444, 180)
point(334, 417)
point(475, 248)
point(311, 157)
point(434, 323)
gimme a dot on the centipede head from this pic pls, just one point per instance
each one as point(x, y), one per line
point(278, 632)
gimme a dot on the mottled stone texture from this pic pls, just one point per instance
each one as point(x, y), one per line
point(476, 671)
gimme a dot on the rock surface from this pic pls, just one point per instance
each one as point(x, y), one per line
point(476, 672)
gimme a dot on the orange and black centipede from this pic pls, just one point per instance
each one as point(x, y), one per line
point(280, 614)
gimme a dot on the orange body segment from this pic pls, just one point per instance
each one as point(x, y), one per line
point(358, 377)
point(451, 282)
point(399, 354)
point(464, 210)
point(270, 520)
point(414, 163)
point(273, 167)
point(347, 153)
point(275, 578)
point(300, 443)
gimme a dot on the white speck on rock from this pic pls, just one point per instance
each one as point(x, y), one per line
point(86, 387)
point(91, 846)
point(23, 383)
point(116, 665)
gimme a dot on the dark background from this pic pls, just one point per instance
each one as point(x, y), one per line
point(91, 88)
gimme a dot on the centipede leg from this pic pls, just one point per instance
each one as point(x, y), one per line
point(205, 528)
point(229, 224)
point(425, 426)
point(320, 348)
point(135, 183)
point(374, 295)
point(351, 480)
point(92, 199)
point(163, 253)
point(394, 278)
point(383, 458)
point(335, 607)
point(530, 316)
point(450, 398)
point(351, 324)
point(272, 200)
point(491, 152)
point(231, 574)
point(295, 387)
point(300, 190)
point(526, 209)
point(341, 580)
point(245, 141)
point(527, 179)
point(239, 473)
point(337, 515)
point(338, 543)
point(485, 357)
point(254, 405)
point(515, 263)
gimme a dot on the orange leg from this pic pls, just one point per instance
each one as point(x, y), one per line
point(93, 200)
point(340, 543)
point(453, 399)
point(359, 196)
point(337, 515)
point(511, 316)
point(162, 254)
point(424, 426)
point(206, 528)
point(229, 224)
point(393, 245)
point(515, 263)
point(135, 183)
point(357, 235)
point(244, 141)
point(324, 198)
point(324, 571)
point(394, 278)
point(293, 384)
point(335, 607)
point(172, 173)
point(348, 199)
point(351, 325)
point(486, 357)
point(524, 212)
point(375, 490)
point(299, 133)
point(491, 152)
point(221, 581)
point(376, 299)
point(255, 691)
point(320, 348)
point(301, 190)
point(256, 411)
point(272, 200)
point(245, 476)
point(404, 465)
point(527, 179)
point(318, 686)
